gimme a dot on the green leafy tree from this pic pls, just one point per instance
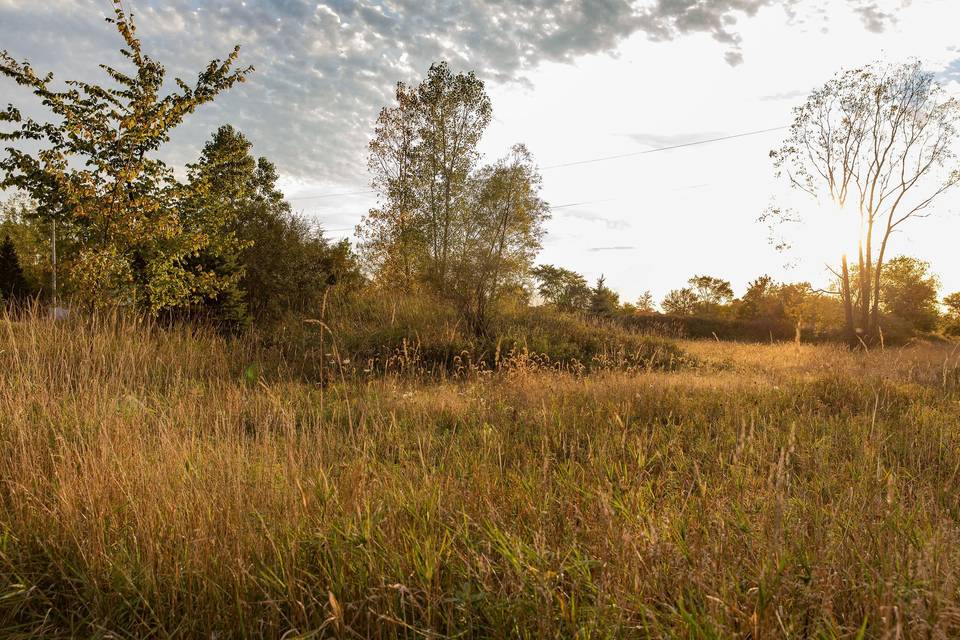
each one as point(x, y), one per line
point(951, 319)
point(680, 302)
point(760, 300)
point(500, 237)
point(909, 293)
point(604, 302)
point(705, 295)
point(565, 289)
point(273, 262)
point(423, 157)
point(645, 303)
point(464, 232)
point(711, 291)
point(31, 240)
point(13, 286)
point(95, 175)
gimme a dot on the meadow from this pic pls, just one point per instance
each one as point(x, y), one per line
point(168, 482)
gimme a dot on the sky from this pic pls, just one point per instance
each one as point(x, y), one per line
point(576, 81)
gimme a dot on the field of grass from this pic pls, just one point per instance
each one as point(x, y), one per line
point(154, 484)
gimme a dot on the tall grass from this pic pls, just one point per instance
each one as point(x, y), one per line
point(150, 486)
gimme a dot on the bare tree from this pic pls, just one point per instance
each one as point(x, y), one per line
point(877, 143)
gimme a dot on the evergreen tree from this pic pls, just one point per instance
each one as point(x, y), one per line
point(272, 261)
point(13, 286)
point(222, 191)
point(604, 302)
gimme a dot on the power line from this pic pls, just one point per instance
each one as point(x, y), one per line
point(569, 204)
point(579, 162)
point(675, 146)
point(577, 204)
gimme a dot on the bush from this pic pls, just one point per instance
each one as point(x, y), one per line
point(374, 331)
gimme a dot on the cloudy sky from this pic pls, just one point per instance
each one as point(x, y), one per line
point(577, 81)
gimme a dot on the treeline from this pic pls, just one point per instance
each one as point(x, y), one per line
point(910, 305)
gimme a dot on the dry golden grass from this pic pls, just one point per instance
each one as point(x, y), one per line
point(149, 489)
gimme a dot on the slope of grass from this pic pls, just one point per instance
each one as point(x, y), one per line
point(149, 488)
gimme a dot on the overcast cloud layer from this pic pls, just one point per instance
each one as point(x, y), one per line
point(323, 69)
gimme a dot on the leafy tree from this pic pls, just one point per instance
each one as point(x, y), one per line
point(909, 293)
point(875, 143)
point(13, 286)
point(31, 241)
point(703, 296)
point(645, 303)
point(760, 300)
point(680, 302)
point(798, 302)
point(272, 261)
point(422, 160)
point(222, 191)
point(463, 232)
point(566, 290)
point(710, 291)
point(951, 319)
point(604, 302)
point(95, 176)
point(501, 235)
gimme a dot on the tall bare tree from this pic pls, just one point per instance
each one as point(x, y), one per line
point(876, 143)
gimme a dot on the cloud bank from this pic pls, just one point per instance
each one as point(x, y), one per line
point(324, 68)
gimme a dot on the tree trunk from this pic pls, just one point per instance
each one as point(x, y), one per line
point(848, 303)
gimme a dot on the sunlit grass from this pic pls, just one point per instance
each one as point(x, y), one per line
point(148, 488)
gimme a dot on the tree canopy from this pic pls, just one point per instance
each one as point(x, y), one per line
point(96, 178)
point(445, 224)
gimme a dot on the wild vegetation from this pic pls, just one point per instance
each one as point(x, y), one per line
point(173, 482)
point(214, 422)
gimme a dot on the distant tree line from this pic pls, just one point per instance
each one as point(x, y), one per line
point(910, 304)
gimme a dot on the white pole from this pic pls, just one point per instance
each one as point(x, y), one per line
point(53, 242)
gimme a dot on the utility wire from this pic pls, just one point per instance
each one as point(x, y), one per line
point(579, 162)
point(675, 146)
point(563, 206)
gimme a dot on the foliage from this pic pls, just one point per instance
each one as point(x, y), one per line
point(463, 232)
point(645, 303)
point(95, 176)
point(565, 289)
point(951, 319)
point(909, 293)
point(604, 302)
point(13, 285)
point(680, 302)
point(710, 290)
point(704, 296)
point(273, 262)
